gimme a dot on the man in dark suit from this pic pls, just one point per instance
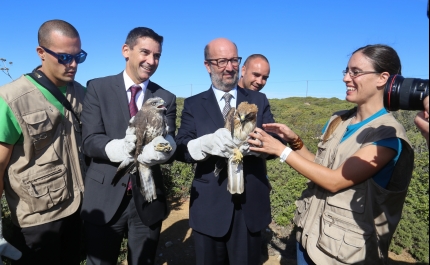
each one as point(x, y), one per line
point(110, 211)
point(226, 227)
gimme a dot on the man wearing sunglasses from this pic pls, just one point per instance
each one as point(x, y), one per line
point(112, 210)
point(41, 166)
point(226, 228)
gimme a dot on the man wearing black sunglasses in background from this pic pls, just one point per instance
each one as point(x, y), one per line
point(41, 166)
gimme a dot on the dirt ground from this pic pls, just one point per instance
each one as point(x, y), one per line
point(176, 245)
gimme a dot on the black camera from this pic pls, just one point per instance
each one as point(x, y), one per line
point(405, 93)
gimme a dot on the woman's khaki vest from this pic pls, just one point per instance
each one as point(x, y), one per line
point(43, 180)
point(355, 225)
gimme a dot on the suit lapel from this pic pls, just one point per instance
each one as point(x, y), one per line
point(121, 95)
point(149, 93)
point(211, 106)
point(242, 95)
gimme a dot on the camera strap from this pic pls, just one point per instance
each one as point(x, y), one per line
point(44, 81)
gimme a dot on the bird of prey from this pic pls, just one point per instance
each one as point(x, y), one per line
point(240, 122)
point(150, 121)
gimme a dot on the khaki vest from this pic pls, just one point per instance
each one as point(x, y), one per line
point(355, 225)
point(44, 177)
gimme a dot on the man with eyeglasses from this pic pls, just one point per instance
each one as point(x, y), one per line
point(255, 72)
point(41, 166)
point(226, 227)
point(112, 210)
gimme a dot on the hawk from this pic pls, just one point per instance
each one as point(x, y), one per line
point(150, 121)
point(240, 122)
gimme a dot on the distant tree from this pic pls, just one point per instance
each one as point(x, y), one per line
point(5, 69)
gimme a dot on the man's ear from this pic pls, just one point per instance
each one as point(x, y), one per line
point(243, 70)
point(125, 51)
point(208, 67)
point(40, 52)
point(383, 78)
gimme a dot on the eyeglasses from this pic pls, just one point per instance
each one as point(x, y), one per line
point(357, 73)
point(222, 62)
point(65, 58)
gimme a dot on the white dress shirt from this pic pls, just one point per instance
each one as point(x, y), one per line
point(140, 95)
point(219, 97)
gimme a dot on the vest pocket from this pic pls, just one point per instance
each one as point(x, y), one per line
point(303, 205)
point(344, 239)
point(351, 199)
point(46, 190)
point(39, 127)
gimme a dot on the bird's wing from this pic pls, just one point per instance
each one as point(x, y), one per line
point(229, 120)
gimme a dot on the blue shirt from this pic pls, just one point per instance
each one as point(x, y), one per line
point(384, 175)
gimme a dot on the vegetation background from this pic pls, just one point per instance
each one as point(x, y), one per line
point(307, 116)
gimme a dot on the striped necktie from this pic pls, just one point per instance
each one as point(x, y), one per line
point(227, 107)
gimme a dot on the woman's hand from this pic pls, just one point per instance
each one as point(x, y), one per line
point(265, 143)
point(282, 130)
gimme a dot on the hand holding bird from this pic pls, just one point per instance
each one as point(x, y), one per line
point(240, 122)
point(149, 123)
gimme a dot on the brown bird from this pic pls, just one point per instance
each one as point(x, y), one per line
point(149, 122)
point(240, 122)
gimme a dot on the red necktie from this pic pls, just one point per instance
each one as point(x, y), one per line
point(132, 106)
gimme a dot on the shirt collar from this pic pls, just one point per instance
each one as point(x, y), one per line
point(219, 93)
point(128, 82)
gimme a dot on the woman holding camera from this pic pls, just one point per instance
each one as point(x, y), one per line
point(359, 175)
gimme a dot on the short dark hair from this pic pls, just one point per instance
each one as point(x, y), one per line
point(142, 32)
point(384, 58)
point(65, 28)
point(255, 56)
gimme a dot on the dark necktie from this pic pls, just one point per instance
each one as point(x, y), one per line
point(132, 107)
point(227, 107)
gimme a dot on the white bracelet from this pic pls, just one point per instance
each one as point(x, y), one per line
point(287, 151)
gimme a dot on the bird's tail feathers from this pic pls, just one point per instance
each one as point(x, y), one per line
point(147, 183)
point(219, 166)
point(235, 179)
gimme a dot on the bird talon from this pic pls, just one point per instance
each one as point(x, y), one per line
point(237, 156)
point(163, 147)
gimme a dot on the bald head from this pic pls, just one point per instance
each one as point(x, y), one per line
point(219, 45)
point(255, 72)
point(252, 57)
point(222, 63)
point(59, 26)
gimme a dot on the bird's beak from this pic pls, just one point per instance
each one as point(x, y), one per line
point(161, 105)
point(242, 118)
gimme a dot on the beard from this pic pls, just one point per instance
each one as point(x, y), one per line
point(222, 85)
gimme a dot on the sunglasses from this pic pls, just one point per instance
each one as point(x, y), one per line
point(65, 58)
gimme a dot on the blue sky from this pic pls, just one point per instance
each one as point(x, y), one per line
point(308, 43)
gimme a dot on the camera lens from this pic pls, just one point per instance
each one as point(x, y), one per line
point(405, 93)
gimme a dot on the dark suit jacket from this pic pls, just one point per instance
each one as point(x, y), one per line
point(211, 205)
point(105, 116)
